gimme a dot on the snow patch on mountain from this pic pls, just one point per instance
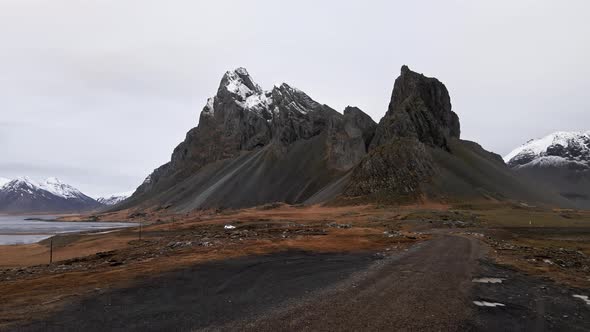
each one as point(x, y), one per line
point(22, 182)
point(546, 161)
point(240, 83)
point(3, 181)
point(250, 96)
point(148, 179)
point(236, 86)
point(557, 149)
point(115, 198)
point(209, 109)
point(258, 103)
point(58, 188)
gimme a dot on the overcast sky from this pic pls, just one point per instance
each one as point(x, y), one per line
point(99, 92)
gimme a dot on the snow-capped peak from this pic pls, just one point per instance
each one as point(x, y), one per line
point(51, 185)
point(249, 96)
point(3, 181)
point(115, 198)
point(241, 71)
point(247, 93)
point(24, 195)
point(240, 83)
point(26, 181)
point(561, 146)
point(58, 188)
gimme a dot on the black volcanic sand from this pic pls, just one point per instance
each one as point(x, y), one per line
point(211, 293)
point(427, 288)
point(530, 303)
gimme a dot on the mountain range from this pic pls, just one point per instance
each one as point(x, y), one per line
point(23, 195)
point(253, 146)
point(561, 160)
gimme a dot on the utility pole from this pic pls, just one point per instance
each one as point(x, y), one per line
point(140, 223)
point(51, 250)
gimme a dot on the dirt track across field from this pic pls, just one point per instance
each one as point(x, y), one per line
point(427, 288)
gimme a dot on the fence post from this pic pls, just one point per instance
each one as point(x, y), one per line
point(51, 250)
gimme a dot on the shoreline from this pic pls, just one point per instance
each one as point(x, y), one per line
point(56, 214)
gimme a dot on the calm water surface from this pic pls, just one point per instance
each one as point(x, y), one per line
point(17, 230)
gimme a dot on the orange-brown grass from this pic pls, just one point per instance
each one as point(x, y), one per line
point(45, 292)
point(38, 253)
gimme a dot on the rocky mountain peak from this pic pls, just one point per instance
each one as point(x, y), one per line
point(253, 147)
point(239, 83)
point(243, 117)
point(411, 85)
point(293, 100)
point(352, 110)
point(420, 107)
point(22, 182)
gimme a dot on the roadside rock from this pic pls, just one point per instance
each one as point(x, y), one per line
point(336, 225)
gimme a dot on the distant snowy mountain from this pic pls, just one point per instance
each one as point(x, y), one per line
point(561, 160)
point(23, 195)
point(557, 149)
point(115, 198)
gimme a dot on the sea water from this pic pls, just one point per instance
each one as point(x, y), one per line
point(19, 230)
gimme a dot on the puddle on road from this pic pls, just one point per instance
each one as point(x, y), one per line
point(488, 304)
point(488, 280)
point(583, 298)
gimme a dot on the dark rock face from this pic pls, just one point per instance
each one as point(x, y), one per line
point(226, 124)
point(398, 164)
point(242, 117)
point(349, 138)
point(416, 154)
point(420, 107)
point(397, 170)
point(296, 116)
point(359, 119)
point(253, 147)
